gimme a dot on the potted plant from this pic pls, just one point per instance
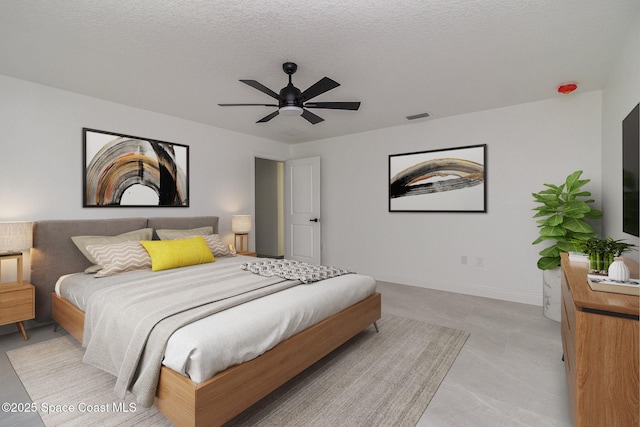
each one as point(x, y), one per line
point(602, 252)
point(596, 250)
point(563, 213)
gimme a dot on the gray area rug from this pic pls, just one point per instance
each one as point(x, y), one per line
point(376, 379)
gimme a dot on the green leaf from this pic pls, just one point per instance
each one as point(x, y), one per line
point(583, 194)
point(594, 214)
point(576, 208)
point(581, 237)
point(545, 198)
point(578, 225)
point(555, 220)
point(548, 263)
point(580, 183)
point(546, 212)
point(572, 179)
point(553, 231)
point(567, 247)
point(551, 251)
point(549, 206)
point(555, 188)
point(545, 222)
point(542, 239)
point(550, 192)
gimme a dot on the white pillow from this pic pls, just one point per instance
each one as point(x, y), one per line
point(180, 234)
point(83, 241)
point(216, 246)
point(120, 257)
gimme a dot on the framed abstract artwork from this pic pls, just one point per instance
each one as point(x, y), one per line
point(123, 170)
point(446, 180)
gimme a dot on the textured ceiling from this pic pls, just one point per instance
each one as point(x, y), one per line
point(398, 57)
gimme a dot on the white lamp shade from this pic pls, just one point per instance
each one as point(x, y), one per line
point(290, 110)
point(241, 224)
point(16, 236)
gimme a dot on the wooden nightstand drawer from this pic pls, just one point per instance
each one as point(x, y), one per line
point(16, 313)
point(16, 304)
point(15, 296)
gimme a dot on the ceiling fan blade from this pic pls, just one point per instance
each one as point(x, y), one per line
point(269, 117)
point(262, 88)
point(311, 118)
point(321, 86)
point(334, 105)
point(245, 105)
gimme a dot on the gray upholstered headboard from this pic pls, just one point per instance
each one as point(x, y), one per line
point(54, 253)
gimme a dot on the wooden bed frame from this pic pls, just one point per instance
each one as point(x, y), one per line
point(228, 393)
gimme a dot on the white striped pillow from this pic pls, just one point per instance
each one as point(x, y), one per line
point(217, 248)
point(120, 257)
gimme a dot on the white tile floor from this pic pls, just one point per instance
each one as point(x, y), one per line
point(509, 372)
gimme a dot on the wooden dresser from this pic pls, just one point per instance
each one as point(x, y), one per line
point(600, 342)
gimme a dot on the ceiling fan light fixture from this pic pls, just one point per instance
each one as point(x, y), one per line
point(293, 102)
point(290, 111)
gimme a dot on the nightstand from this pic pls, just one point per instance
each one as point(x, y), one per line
point(17, 305)
point(246, 253)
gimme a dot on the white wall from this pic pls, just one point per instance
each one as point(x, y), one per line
point(528, 145)
point(620, 95)
point(41, 156)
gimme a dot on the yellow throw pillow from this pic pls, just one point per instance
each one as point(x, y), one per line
point(166, 254)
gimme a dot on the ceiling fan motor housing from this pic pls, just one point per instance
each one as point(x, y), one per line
point(290, 96)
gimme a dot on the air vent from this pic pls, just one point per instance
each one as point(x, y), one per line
point(418, 116)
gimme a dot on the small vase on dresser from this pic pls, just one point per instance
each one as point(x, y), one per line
point(618, 270)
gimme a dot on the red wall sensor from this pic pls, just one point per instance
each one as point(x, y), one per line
point(567, 88)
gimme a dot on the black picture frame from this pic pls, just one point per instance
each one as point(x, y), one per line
point(128, 171)
point(444, 180)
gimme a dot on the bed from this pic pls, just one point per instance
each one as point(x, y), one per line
point(183, 401)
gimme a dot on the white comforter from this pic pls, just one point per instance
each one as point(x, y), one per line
point(239, 334)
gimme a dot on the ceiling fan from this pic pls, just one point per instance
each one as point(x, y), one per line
point(293, 102)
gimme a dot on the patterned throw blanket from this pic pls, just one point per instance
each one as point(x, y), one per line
point(293, 270)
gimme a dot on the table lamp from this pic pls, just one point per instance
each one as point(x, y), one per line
point(15, 237)
point(241, 225)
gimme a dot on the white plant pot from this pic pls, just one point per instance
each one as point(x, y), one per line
point(551, 294)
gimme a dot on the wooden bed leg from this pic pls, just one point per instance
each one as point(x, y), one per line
point(375, 325)
point(55, 326)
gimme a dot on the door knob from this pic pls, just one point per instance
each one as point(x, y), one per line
point(313, 220)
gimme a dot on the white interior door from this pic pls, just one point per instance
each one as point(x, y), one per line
point(302, 210)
